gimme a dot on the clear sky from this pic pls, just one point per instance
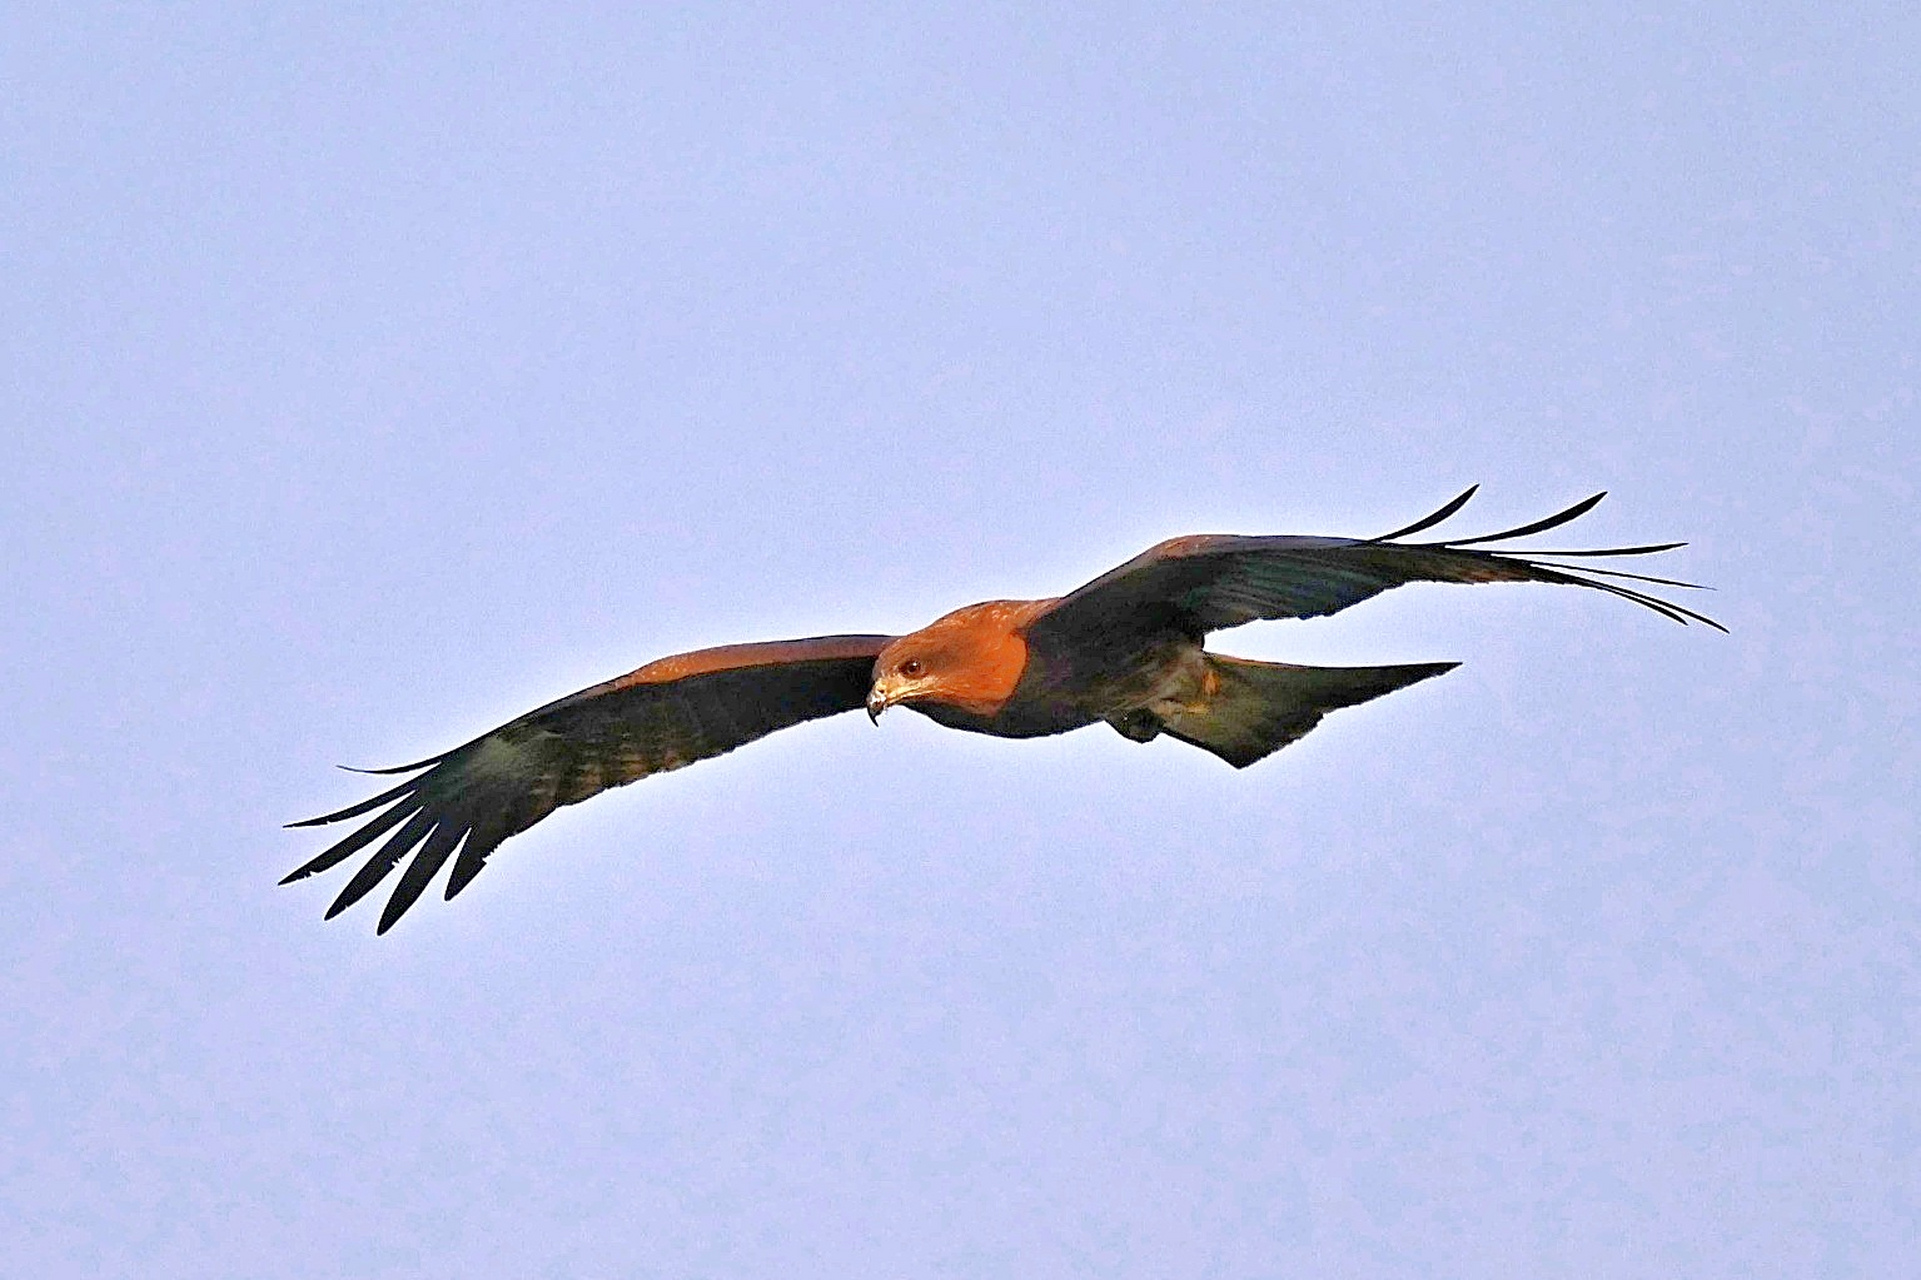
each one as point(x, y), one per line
point(375, 373)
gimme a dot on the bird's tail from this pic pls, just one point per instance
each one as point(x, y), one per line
point(1253, 709)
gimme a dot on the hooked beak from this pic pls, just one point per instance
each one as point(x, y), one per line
point(885, 692)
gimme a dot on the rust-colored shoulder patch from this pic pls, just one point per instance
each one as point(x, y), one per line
point(1187, 545)
point(768, 653)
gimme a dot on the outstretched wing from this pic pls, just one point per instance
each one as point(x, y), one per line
point(1205, 582)
point(667, 714)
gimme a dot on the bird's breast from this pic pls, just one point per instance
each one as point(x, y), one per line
point(1013, 719)
point(1069, 686)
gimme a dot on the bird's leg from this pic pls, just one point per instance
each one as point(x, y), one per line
point(1138, 725)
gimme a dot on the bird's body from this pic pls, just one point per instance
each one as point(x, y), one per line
point(994, 672)
point(1127, 648)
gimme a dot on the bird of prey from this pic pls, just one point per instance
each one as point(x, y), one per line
point(1126, 648)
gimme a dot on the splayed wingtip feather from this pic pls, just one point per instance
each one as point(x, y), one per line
point(1429, 521)
point(398, 768)
point(1554, 521)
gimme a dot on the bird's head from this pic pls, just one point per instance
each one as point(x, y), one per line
point(970, 659)
point(908, 669)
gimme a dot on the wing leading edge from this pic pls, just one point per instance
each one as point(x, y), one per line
point(667, 714)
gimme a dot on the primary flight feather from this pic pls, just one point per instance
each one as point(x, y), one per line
point(1126, 648)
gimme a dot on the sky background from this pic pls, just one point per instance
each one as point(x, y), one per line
point(374, 374)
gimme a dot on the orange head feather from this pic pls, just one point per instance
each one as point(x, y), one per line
point(972, 658)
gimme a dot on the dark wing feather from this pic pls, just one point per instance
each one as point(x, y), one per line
point(667, 714)
point(1206, 582)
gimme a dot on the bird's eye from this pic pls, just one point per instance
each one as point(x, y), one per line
point(911, 667)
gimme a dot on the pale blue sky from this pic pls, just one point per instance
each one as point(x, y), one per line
point(375, 375)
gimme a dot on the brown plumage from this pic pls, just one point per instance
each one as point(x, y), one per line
point(1126, 648)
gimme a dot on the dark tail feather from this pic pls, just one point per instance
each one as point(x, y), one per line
point(1259, 707)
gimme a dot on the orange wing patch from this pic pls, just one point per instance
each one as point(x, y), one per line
point(730, 657)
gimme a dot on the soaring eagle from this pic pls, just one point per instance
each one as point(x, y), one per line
point(1126, 648)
